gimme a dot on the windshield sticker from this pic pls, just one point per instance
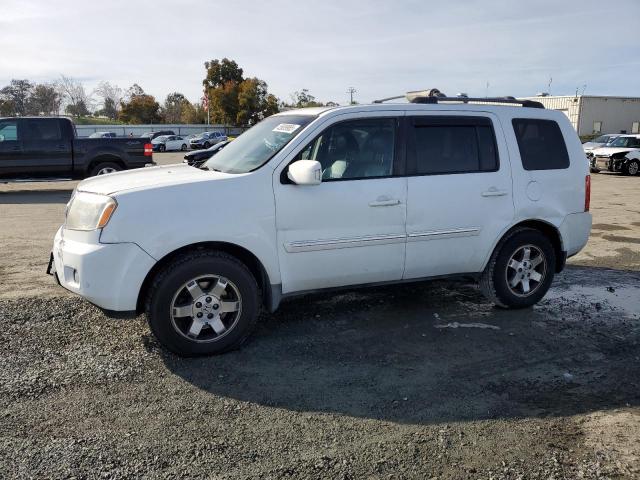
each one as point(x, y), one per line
point(286, 128)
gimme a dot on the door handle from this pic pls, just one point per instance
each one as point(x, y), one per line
point(384, 202)
point(62, 147)
point(15, 149)
point(494, 192)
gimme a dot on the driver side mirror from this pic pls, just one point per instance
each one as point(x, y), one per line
point(305, 172)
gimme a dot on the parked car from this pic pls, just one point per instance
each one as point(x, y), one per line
point(632, 162)
point(49, 147)
point(165, 143)
point(103, 135)
point(324, 198)
point(612, 157)
point(600, 141)
point(198, 157)
point(152, 135)
point(206, 139)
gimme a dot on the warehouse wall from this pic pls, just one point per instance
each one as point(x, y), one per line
point(616, 114)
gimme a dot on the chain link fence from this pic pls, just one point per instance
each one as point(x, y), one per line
point(177, 129)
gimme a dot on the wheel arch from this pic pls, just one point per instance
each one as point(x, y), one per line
point(545, 227)
point(251, 261)
point(104, 158)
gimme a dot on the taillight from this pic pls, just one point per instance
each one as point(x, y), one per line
point(148, 150)
point(587, 192)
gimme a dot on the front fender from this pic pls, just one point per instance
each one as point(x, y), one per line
point(238, 211)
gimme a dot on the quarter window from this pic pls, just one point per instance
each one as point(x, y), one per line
point(447, 145)
point(541, 144)
point(354, 149)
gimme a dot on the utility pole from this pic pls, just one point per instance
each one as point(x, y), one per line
point(351, 91)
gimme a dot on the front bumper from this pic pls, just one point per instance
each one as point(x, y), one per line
point(108, 275)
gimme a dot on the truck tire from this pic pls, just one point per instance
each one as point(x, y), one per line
point(520, 270)
point(203, 303)
point(102, 168)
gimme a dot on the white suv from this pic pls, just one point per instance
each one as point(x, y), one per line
point(322, 198)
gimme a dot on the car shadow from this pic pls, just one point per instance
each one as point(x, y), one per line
point(438, 352)
point(35, 196)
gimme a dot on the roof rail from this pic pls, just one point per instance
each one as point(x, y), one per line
point(434, 96)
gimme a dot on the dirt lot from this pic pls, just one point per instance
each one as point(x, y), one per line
point(414, 381)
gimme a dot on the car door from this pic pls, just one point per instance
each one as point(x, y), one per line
point(10, 147)
point(47, 149)
point(171, 142)
point(459, 192)
point(350, 229)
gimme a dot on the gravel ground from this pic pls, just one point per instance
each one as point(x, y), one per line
point(413, 381)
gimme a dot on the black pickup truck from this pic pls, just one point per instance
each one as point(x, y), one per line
point(35, 147)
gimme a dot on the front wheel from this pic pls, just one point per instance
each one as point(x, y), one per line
point(633, 167)
point(203, 303)
point(520, 270)
point(162, 148)
point(207, 144)
point(184, 147)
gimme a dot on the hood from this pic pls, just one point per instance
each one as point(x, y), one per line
point(148, 178)
point(612, 150)
point(591, 145)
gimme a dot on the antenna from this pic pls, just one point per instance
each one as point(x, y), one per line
point(351, 91)
point(486, 91)
point(549, 85)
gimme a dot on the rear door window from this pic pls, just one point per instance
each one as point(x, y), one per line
point(8, 130)
point(448, 145)
point(45, 129)
point(541, 144)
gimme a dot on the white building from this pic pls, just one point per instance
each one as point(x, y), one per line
point(593, 114)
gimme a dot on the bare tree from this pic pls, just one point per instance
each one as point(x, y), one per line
point(75, 97)
point(111, 96)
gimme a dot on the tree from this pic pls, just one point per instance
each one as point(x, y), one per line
point(111, 96)
point(303, 99)
point(174, 106)
point(223, 103)
point(78, 109)
point(74, 95)
point(7, 107)
point(193, 113)
point(221, 72)
point(16, 94)
point(140, 107)
point(254, 103)
point(44, 99)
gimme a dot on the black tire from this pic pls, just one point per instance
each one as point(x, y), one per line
point(183, 147)
point(494, 282)
point(162, 148)
point(182, 269)
point(594, 170)
point(632, 167)
point(102, 168)
point(206, 145)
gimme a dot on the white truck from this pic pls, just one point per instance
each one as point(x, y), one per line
point(324, 198)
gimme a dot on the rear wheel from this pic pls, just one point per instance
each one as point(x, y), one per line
point(203, 303)
point(103, 168)
point(520, 270)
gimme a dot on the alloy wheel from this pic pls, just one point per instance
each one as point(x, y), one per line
point(526, 270)
point(206, 308)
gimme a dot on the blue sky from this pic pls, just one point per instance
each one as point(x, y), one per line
point(382, 48)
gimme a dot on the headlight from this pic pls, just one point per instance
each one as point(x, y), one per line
point(89, 211)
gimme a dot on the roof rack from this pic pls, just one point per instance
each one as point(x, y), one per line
point(435, 96)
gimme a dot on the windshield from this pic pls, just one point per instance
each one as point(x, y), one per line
point(256, 146)
point(602, 139)
point(621, 142)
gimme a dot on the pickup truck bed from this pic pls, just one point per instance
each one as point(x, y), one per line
point(48, 147)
